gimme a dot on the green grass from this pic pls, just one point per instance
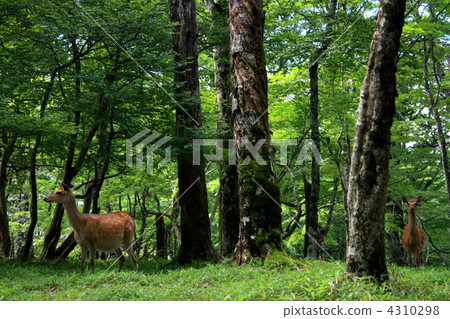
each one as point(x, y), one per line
point(202, 281)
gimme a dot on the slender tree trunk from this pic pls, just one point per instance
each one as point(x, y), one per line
point(161, 233)
point(103, 155)
point(26, 252)
point(259, 193)
point(229, 195)
point(87, 197)
point(5, 238)
point(440, 134)
point(396, 252)
point(369, 171)
point(71, 169)
point(33, 183)
point(195, 225)
point(105, 140)
point(312, 217)
point(312, 236)
point(307, 191)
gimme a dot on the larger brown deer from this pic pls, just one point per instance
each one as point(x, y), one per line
point(106, 232)
point(413, 239)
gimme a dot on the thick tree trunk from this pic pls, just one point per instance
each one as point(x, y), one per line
point(259, 193)
point(369, 171)
point(195, 225)
point(229, 195)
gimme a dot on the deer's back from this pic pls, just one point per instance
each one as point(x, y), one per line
point(108, 231)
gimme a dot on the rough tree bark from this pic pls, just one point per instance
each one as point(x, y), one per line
point(259, 193)
point(196, 241)
point(229, 195)
point(369, 170)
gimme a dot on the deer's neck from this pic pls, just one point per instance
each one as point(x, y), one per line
point(412, 223)
point(73, 214)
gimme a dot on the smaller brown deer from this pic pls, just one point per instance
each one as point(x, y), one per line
point(413, 239)
point(107, 232)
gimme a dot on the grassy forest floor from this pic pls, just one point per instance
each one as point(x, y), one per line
point(319, 280)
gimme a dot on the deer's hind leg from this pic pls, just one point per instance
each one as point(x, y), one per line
point(129, 248)
point(133, 257)
point(417, 259)
point(92, 253)
point(121, 259)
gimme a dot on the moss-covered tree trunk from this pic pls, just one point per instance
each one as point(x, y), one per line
point(196, 241)
point(228, 196)
point(369, 170)
point(260, 213)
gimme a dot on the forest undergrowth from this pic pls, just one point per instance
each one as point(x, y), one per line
point(319, 280)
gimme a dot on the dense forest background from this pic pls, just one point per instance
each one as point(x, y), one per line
point(80, 78)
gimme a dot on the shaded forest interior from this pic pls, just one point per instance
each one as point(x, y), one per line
point(80, 81)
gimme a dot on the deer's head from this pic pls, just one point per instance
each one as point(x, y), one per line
point(412, 204)
point(62, 194)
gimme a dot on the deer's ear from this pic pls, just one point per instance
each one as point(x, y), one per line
point(419, 199)
point(404, 199)
point(66, 188)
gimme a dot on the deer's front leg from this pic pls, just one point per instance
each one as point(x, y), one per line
point(83, 260)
